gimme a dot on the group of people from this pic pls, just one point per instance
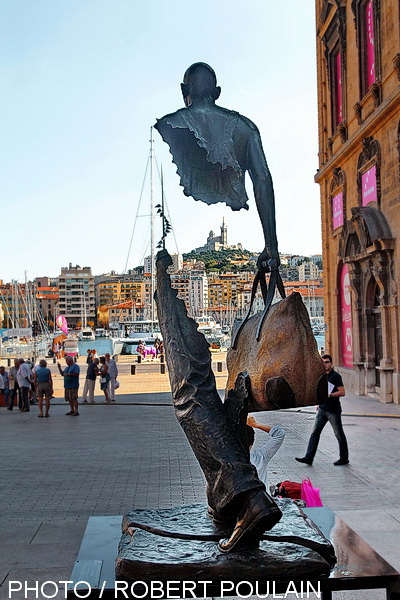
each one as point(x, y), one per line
point(91, 355)
point(105, 368)
point(154, 351)
point(27, 383)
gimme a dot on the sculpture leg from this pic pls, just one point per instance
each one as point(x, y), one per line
point(232, 482)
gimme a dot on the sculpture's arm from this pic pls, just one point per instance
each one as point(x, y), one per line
point(265, 200)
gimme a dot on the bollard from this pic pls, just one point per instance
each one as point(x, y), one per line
point(139, 359)
point(8, 362)
point(162, 368)
point(54, 360)
point(133, 369)
point(219, 367)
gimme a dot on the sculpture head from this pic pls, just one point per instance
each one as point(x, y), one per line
point(200, 83)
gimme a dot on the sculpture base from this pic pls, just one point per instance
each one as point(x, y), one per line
point(182, 543)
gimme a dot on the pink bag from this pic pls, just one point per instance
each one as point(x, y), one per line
point(310, 494)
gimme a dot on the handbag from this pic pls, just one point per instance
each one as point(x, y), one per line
point(103, 380)
point(116, 386)
point(310, 494)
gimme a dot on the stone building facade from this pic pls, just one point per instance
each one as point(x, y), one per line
point(358, 64)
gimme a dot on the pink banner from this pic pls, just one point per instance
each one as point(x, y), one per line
point(368, 186)
point(345, 306)
point(369, 28)
point(337, 210)
point(339, 109)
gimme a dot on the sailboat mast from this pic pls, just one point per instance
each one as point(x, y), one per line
point(152, 280)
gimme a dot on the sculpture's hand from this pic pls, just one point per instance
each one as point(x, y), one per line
point(268, 261)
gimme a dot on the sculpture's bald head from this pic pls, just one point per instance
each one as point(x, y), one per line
point(199, 83)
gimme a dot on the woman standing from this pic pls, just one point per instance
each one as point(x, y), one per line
point(104, 377)
point(14, 387)
point(44, 387)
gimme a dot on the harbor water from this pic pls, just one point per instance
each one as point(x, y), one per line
point(101, 345)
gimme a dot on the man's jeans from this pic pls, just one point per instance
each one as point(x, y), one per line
point(13, 393)
point(321, 419)
point(24, 394)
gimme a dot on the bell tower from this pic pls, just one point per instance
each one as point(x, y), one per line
point(224, 234)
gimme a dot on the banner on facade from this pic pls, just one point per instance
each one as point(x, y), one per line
point(346, 319)
point(337, 210)
point(368, 186)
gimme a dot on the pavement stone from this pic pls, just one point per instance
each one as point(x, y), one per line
point(56, 473)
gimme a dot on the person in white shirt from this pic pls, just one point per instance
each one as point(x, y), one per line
point(261, 456)
point(113, 373)
point(24, 378)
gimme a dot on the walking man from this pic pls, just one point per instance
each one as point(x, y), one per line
point(71, 384)
point(330, 411)
point(113, 373)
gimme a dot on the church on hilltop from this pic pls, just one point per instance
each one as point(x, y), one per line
point(218, 242)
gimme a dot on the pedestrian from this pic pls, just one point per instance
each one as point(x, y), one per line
point(330, 411)
point(104, 378)
point(14, 387)
point(90, 381)
point(32, 392)
point(141, 349)
point(44, 387)
point(71, 384)
point(113, 373)
point(89, 358)
point(6, 385)
point(261, 456)
point(24, 382)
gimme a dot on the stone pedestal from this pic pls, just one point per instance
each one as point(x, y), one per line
point(182, 543)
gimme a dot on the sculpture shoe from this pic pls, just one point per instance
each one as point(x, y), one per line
point(259, 514)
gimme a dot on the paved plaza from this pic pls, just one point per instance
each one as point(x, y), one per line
point(57, 472)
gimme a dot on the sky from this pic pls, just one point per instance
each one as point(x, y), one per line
point(81, 84)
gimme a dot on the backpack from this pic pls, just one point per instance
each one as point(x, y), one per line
point(288, 489)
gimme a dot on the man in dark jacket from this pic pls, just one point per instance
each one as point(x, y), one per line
point(330, 411)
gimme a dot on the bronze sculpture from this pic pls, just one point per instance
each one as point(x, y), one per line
point(213, 148)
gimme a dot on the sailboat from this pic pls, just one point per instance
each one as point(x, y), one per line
point(131, 332)
point(86, 333)
point(28, 335)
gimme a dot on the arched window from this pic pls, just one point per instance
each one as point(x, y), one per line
point(368, 173)
point(367, 20)
point(338, 199)
point(335, 54)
